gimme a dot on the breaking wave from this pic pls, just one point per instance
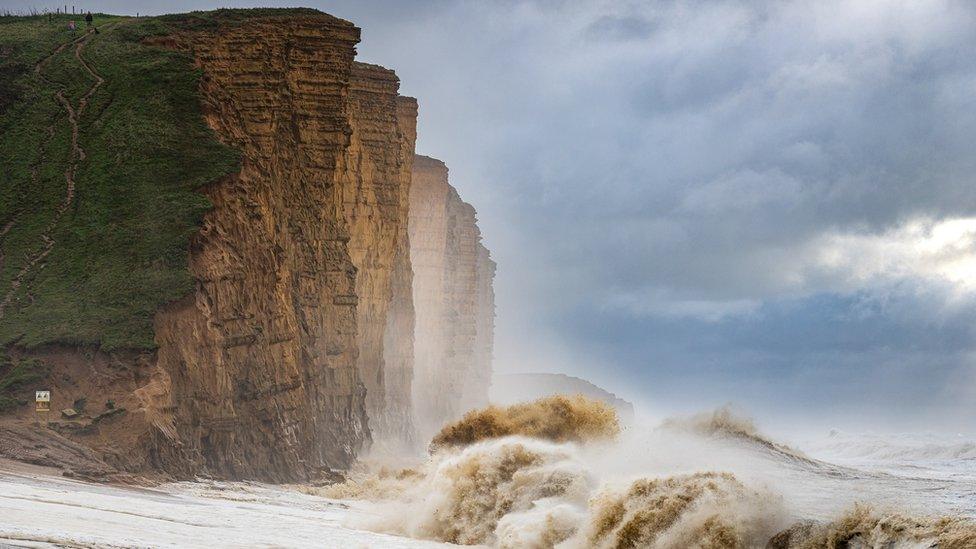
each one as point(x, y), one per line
point(723, 422)
point(486, 493)
point(708, 509)
point(531, 476)
point(519, 492)
point(557, 418)
point(866, 527)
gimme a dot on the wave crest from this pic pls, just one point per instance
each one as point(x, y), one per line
point(864, 526)
point(511, 492)
point(558, 418)
point(706, 510)
point(723, 422)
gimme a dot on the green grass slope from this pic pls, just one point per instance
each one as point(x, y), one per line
point(95, 272)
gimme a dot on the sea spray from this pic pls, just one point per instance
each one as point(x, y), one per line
point(865, 527)
point(484, 485)
point(705, 510)
point(557, 418)
point(464, 495)
point(724, 422)
point(710, 481)
point(521, 492)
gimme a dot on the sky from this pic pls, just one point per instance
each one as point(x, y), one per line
point(770, 204)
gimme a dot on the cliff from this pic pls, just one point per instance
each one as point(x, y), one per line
point(374, 199)
point(452, 280)
point(262, 357)
point(429, 192)
point(484, 343)
point(298, 335)
point(395, 422)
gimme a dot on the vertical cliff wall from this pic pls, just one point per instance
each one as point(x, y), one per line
point(460, 311)
point(374, 191)
point(344, 291)
point(428, 244)
point(484, 344)
point(395, 422)
point(261, 362)
point(453, 300)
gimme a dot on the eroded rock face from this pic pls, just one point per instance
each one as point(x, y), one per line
point(262, 359)
point(428, 254)
point(452, 298)
point(371, 184)
point(478, 382)
point(394, 424)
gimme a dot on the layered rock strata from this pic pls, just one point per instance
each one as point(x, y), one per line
point(452, 297)
point(395, 422)
point(375, 192)
point(261, 361)
point(429, 192)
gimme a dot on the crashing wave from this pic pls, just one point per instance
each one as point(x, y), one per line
point(511, 492)
point(550, 486)
point(518, 492)
point(866, 528)
point(557, 418)
point(702, 510)
point(723, 422)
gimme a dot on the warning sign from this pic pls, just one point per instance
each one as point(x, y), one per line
point(42, 400)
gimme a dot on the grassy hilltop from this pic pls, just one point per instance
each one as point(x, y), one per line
point(93, 265)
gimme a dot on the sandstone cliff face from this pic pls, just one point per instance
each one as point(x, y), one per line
point(303, 340)
point(452, 297)
point(477, 384)
point(374, 192)
point(261, 362)
point(428, 245)
point(395, 423)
